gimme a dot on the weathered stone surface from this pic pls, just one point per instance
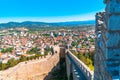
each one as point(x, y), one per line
point(113, 39)
point(112, 52)
point(114, 22)
point(32, 70)
point(113, 6)
point(107, 52)
point(79, 70)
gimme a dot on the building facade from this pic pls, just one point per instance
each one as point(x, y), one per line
point(107, 52)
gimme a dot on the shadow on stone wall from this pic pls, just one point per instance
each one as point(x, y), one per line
point(58, 72)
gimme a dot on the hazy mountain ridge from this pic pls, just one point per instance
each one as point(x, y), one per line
point(30, 24)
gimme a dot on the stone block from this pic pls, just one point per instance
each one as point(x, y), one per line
point(114, 22)
point(113, 6)
point(110, 53)
point(113, 39)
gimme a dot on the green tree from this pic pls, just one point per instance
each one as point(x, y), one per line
point(23, 58)
point(4, 66)
point(7, 50)
point(11, 63)
point(32, 51)
point(0, 66)
point(74, 43)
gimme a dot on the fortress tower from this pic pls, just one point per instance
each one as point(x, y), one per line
point(107, 52)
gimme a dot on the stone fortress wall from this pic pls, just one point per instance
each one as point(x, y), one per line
point(32, 70)
point(107, 52)
point(77, 68)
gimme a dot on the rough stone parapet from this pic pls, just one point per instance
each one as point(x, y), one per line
point(77, 67)
point(107, 52)
point(33, 69)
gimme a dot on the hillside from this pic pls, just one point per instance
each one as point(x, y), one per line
point(32, 25)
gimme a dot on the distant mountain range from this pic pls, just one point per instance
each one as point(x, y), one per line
point(30, 24)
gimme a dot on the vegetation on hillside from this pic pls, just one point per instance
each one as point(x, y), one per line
point(7, 50)
point(87, 58)
point(12, 62)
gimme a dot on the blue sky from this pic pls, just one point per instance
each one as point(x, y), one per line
point(49, 10)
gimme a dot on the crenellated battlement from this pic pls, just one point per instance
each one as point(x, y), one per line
point(79, 70)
